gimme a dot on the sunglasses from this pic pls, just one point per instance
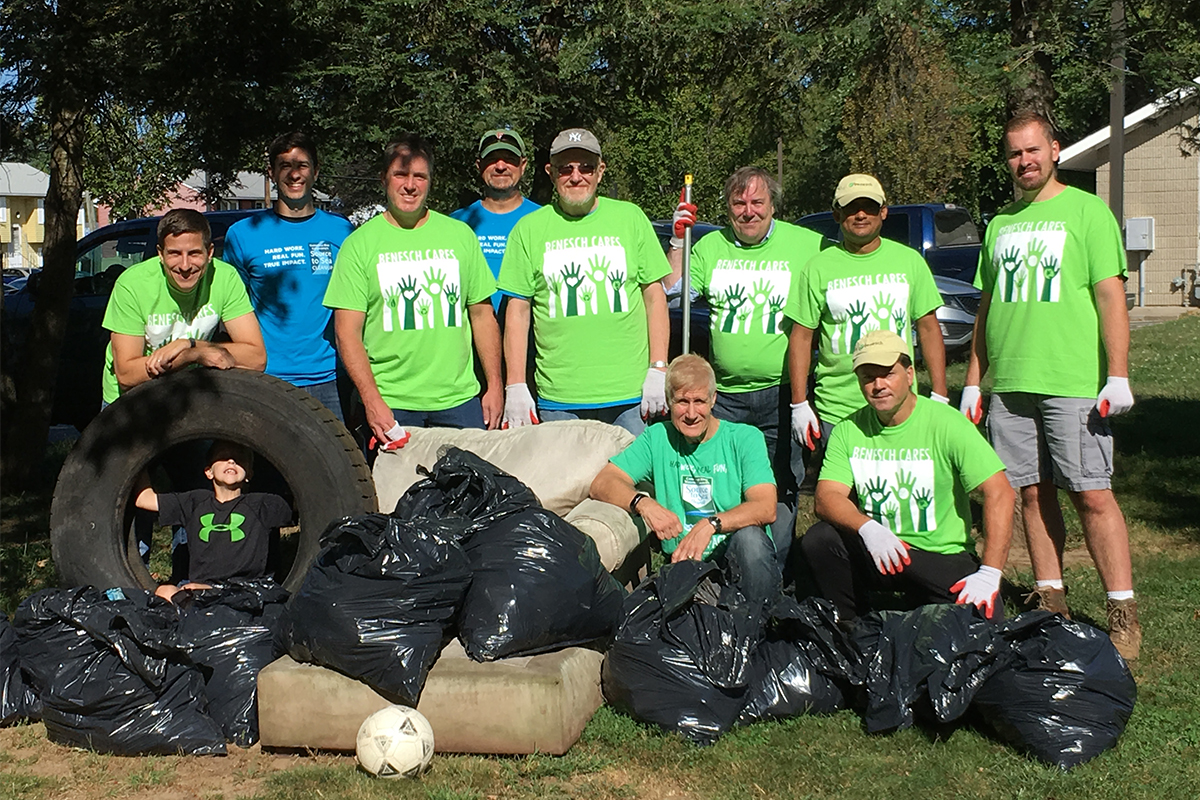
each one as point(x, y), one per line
point(566, 169)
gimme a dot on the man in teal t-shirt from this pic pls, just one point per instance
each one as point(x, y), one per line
point(714, 490)
point(585, 272)
point(1054, 329)
point(411, 293)
point(164, 312)
point(911, 462)
point(866, 283)
point(746, 273)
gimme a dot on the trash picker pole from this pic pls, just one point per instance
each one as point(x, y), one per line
point(686, 289)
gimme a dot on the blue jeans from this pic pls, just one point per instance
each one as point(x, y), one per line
point(750, 556)
point(327, 394)
point(464, 415)
point(627, 417)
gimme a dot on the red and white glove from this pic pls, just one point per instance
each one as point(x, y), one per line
point(519, 408)
point(971, 404)
point(887, 551)
point(684, 218)
point(654, 394)
point(1115, 398)
point(806, 428)
point(939, 397)
point(980, 589)
point(394, 439)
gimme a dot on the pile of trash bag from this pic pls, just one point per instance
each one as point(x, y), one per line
point(17, 700)
point(229, 631)
point(380, 601)
point(537, 582)
point(113, 673)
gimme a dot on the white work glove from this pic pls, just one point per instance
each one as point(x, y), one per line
point(1115, 398)
point(887, 551)
point(979, 589)
point(683, 218)
point(654, 394)
point(939, 398)
point(806, 428)
point(971, 404)
point(519, 409)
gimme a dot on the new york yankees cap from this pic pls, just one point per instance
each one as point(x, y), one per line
point(575, 139)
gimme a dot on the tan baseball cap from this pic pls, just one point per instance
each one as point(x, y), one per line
point(879, 348)
point(857, 185)
point(575, 139)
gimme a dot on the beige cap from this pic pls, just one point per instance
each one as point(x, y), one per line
point(880, 348)
point(857, 185)
point(575, 139)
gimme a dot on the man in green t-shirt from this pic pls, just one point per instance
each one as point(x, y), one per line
point(865, 283)
point(585, 272)
point(714, 490)
point(410, 293)
point(164, 312)
point(1053, 327)
point(746, 273)
point(911, 462)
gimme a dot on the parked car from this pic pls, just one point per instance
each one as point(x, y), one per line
point(99, 258)
point(699, 333)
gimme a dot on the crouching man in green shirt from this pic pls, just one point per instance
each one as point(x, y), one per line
point(715, 491)
point(912, 462)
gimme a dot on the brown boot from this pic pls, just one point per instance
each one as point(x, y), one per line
point(1124, 628)
point(1049, 599)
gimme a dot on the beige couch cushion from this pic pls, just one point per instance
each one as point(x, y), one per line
point(515, 705)
point(557, 460)
point(610, 528)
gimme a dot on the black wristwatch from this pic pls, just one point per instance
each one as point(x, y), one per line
point(637, 498)
point(716, 523)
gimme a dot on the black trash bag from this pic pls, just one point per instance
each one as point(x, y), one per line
point(113, 673)
point(931, 660)
point(18, 701)
point(538, 584)
point(806, 665)
point(680, 658)
point(230, 630)
point(461, 484)
point(379, 600)
point(1063, 695)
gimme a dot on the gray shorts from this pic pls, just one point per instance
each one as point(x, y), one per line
point(1060, 439)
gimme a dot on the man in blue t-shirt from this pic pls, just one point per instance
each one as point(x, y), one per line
point(285, 255)
point(501, 165)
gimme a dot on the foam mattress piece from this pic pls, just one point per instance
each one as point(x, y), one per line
point(513, 706)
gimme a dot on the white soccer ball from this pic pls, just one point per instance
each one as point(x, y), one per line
point(395, 742)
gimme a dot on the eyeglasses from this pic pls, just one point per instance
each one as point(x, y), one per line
point(566, 169)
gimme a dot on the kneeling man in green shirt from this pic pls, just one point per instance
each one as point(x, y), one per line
point(713, 484)
point(911, 462)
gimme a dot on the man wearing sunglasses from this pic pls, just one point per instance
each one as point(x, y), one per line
point(585, 273)
point(501, 164)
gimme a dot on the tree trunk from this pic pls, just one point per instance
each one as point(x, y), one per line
point(1032, 87)
point(27, 424)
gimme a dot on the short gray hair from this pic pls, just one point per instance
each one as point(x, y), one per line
point(741, 179)
point(690, 371)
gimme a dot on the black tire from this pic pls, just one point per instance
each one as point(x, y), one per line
point(315, 454)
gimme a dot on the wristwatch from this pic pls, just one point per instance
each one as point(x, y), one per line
point(658, 364)
point(716, 523)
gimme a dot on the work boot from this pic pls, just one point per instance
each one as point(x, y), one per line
point(1124, 628)
point(1049, 599)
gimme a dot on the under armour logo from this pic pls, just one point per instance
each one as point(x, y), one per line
point(234, 526)
point(574, 137)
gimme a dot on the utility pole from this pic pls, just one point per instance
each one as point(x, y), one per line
point(1116, 116)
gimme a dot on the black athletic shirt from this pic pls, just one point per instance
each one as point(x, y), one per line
point(225, 540)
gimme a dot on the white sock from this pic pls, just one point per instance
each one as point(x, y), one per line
point(1055, 584)
point(1125, 595)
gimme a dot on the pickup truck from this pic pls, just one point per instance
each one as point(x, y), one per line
point(944, 234)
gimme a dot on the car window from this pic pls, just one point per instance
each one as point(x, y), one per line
point(124, 249)
point(895, 227)
point(954, 227)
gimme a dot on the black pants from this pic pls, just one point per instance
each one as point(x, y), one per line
point(846, 575)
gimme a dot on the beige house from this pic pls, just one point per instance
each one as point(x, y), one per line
point(1162, 183)
point(23, 215)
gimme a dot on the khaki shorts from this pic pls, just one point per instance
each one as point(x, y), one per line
point(1060, 439)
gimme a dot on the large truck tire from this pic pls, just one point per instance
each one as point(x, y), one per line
point(91, 511)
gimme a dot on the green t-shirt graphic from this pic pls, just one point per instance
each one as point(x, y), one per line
point(697, 481)
point(415, 286)
point(914, 477)
point(747, 287)
point(1039, 262)
point(583, 277)
point(145, 303)
point(842, 296)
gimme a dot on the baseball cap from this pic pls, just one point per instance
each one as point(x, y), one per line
point(879, 348)
point(575, 139)
point(501, 139)
point(858, 185)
